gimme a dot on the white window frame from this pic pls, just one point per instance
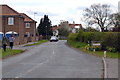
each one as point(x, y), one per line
point(27, 25)
point(10, 20)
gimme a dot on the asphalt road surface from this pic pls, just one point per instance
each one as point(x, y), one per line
point(52, 60)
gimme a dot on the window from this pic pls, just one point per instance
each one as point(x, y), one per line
point(10, 21)
point(27, 25)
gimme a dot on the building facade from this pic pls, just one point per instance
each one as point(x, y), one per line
point(12, 21)
point(30, 28)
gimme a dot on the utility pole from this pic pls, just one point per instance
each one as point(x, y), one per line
point(4, 25)
point(34, 15)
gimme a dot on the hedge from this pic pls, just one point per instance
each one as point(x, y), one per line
point(107, 39)
point(72, 36)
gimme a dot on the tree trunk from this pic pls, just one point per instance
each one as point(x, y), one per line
point(102, 29)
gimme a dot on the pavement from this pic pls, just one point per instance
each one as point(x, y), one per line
point(52, 60)
point(23, 47)
point(112, 67)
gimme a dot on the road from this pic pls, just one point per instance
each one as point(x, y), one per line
point(52, 60)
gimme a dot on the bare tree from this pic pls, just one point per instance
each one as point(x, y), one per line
point(115, 20)
point(98, 14)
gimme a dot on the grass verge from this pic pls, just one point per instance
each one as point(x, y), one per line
point(76, 44)
point(81, 47)
point(9, 53)
point(37, 43)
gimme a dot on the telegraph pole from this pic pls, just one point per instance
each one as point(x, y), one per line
point(34, 15)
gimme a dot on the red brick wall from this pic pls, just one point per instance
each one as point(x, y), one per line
point(31, 30)
point(19, 25)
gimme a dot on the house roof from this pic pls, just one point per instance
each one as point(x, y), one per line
point(55, 28)
point(73, 25)
point(27, 18)
point(6, 10)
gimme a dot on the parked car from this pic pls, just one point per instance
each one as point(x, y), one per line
point(53, 38)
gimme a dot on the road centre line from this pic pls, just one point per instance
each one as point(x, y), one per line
point(53, 52)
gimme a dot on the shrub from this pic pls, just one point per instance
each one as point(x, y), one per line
point(80, 36)
point(112, 50)
point(110, 39)
point(72, 37)
point(89, 36)
point(107, 39)
point(91, 48)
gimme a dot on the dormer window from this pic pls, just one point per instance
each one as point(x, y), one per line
point(27, 25)
point(10, 20)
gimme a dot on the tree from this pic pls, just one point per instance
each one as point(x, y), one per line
point(45, 28)
point(41, 29)
point(115, 20)
point(98, 14)
point(47, 24)
point(63, 32)
point(90, 29)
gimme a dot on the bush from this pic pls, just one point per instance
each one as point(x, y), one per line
point(107, 39)
point(117, 42)
point(80, 36)
point(110, 39)
point(89, 36)
point(91, 48)
point(72, 37)
point(112, 50)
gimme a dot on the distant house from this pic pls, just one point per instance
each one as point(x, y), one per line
point(65, 24)
point(75, 27)
point(20, 23)
point(71, 26)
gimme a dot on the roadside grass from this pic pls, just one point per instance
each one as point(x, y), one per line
point(9, 52)
point(101, 54)
point(37, 43)
point(12, 52)
point(76, 44)
point(62, 39)
point(81, 47)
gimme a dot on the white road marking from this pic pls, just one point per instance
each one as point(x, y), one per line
point(105, 67)
point(53, 52)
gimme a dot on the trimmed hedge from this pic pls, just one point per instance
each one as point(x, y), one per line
point(107, 39)
point(72, 36)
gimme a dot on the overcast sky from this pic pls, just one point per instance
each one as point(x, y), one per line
point(69, 10)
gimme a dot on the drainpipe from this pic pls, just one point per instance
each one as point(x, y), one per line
point(4, 25)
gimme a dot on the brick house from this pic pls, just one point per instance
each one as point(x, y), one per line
point(30, 28)
point(11, 20)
